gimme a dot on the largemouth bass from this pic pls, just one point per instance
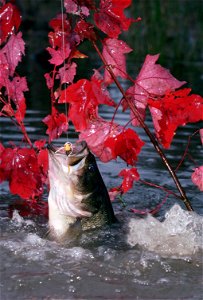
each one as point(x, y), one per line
point(78, 197)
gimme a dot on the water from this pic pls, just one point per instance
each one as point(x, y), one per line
point(142, 257)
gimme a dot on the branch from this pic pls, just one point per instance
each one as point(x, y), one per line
point(148, 132)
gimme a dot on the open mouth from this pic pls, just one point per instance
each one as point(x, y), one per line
point(50, 147)
point(75, 152)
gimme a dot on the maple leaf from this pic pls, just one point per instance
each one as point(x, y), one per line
point(16, 88)
point(129, 176)
point(21, 110)
point(56, 123)
point(197, 177)
point(127, 145)
point(20, 166)
point(174, 109)
point(96, 133)
point(85, 30)
point(8, 110)
point(111, 18)
point(39, 144)
point(153, 80)
point(62, 30)
point(49, 81)
point(5, 163)
point(67, 73)
point(4, 70)
point(43, 163)
point(13, 51)
point(201, 135)
point(58, 56)
point(113, 52)
point(10, 20)
point(76, 7)
point(84, 97)
point(108, 140)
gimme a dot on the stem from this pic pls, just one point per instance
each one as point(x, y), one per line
point(24, 132)
point(148, 132)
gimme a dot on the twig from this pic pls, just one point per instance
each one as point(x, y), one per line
point(146, 129)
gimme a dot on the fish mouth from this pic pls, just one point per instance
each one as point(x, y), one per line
point(51, 148)
point(75, 153)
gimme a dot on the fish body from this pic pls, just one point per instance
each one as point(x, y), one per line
point(78, 198)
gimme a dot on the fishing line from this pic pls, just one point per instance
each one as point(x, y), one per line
point(64, 64)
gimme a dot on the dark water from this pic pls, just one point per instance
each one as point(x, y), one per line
point(142, 258)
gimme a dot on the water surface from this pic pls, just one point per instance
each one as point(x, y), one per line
point(143, 257)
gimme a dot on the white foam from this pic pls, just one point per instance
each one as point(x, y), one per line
point(179, 235)
point(19, 221)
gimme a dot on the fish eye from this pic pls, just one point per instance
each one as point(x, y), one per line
point(91, 168)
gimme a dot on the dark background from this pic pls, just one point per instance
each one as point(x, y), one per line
point(172, 28)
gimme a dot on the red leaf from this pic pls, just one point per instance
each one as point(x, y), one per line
point(8, 110)
point(67, 73)
point(56, 123)
point(130, 175)
point(126, 145)
point(174, 109)
point(43, 164)
point(30, 208)
point(76, 7)
point(20, 167)
point(21, 110)
point(49, 80)
point(61, 32)
point(84, 97)
point(16, 88)
point(58, 56)
point(10, 20)
point(95, 135)
point(111, 18)
point(113, 52)
point(109, 140)
point(39, 144)
point(201, 135)
point(153, 80)
point(197, 177)
point(13, 51)
point(5, 163)
point(1, 148)
point(85, 30)
point(4, 70)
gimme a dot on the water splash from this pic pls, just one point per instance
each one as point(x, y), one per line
point(180, 234)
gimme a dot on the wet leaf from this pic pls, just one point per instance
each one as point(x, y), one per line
point(67, 73)
point(58, 56)
point(13, 50)
point(197, 177)
point(173, 110)
point(114, 53)
point(57, 123)
point(84, 97)
point(110, 17)
point(126, 145)
point(20, 166)
point(152, 81)
point(76, 7)
point(10, 20)
point(129, 176)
